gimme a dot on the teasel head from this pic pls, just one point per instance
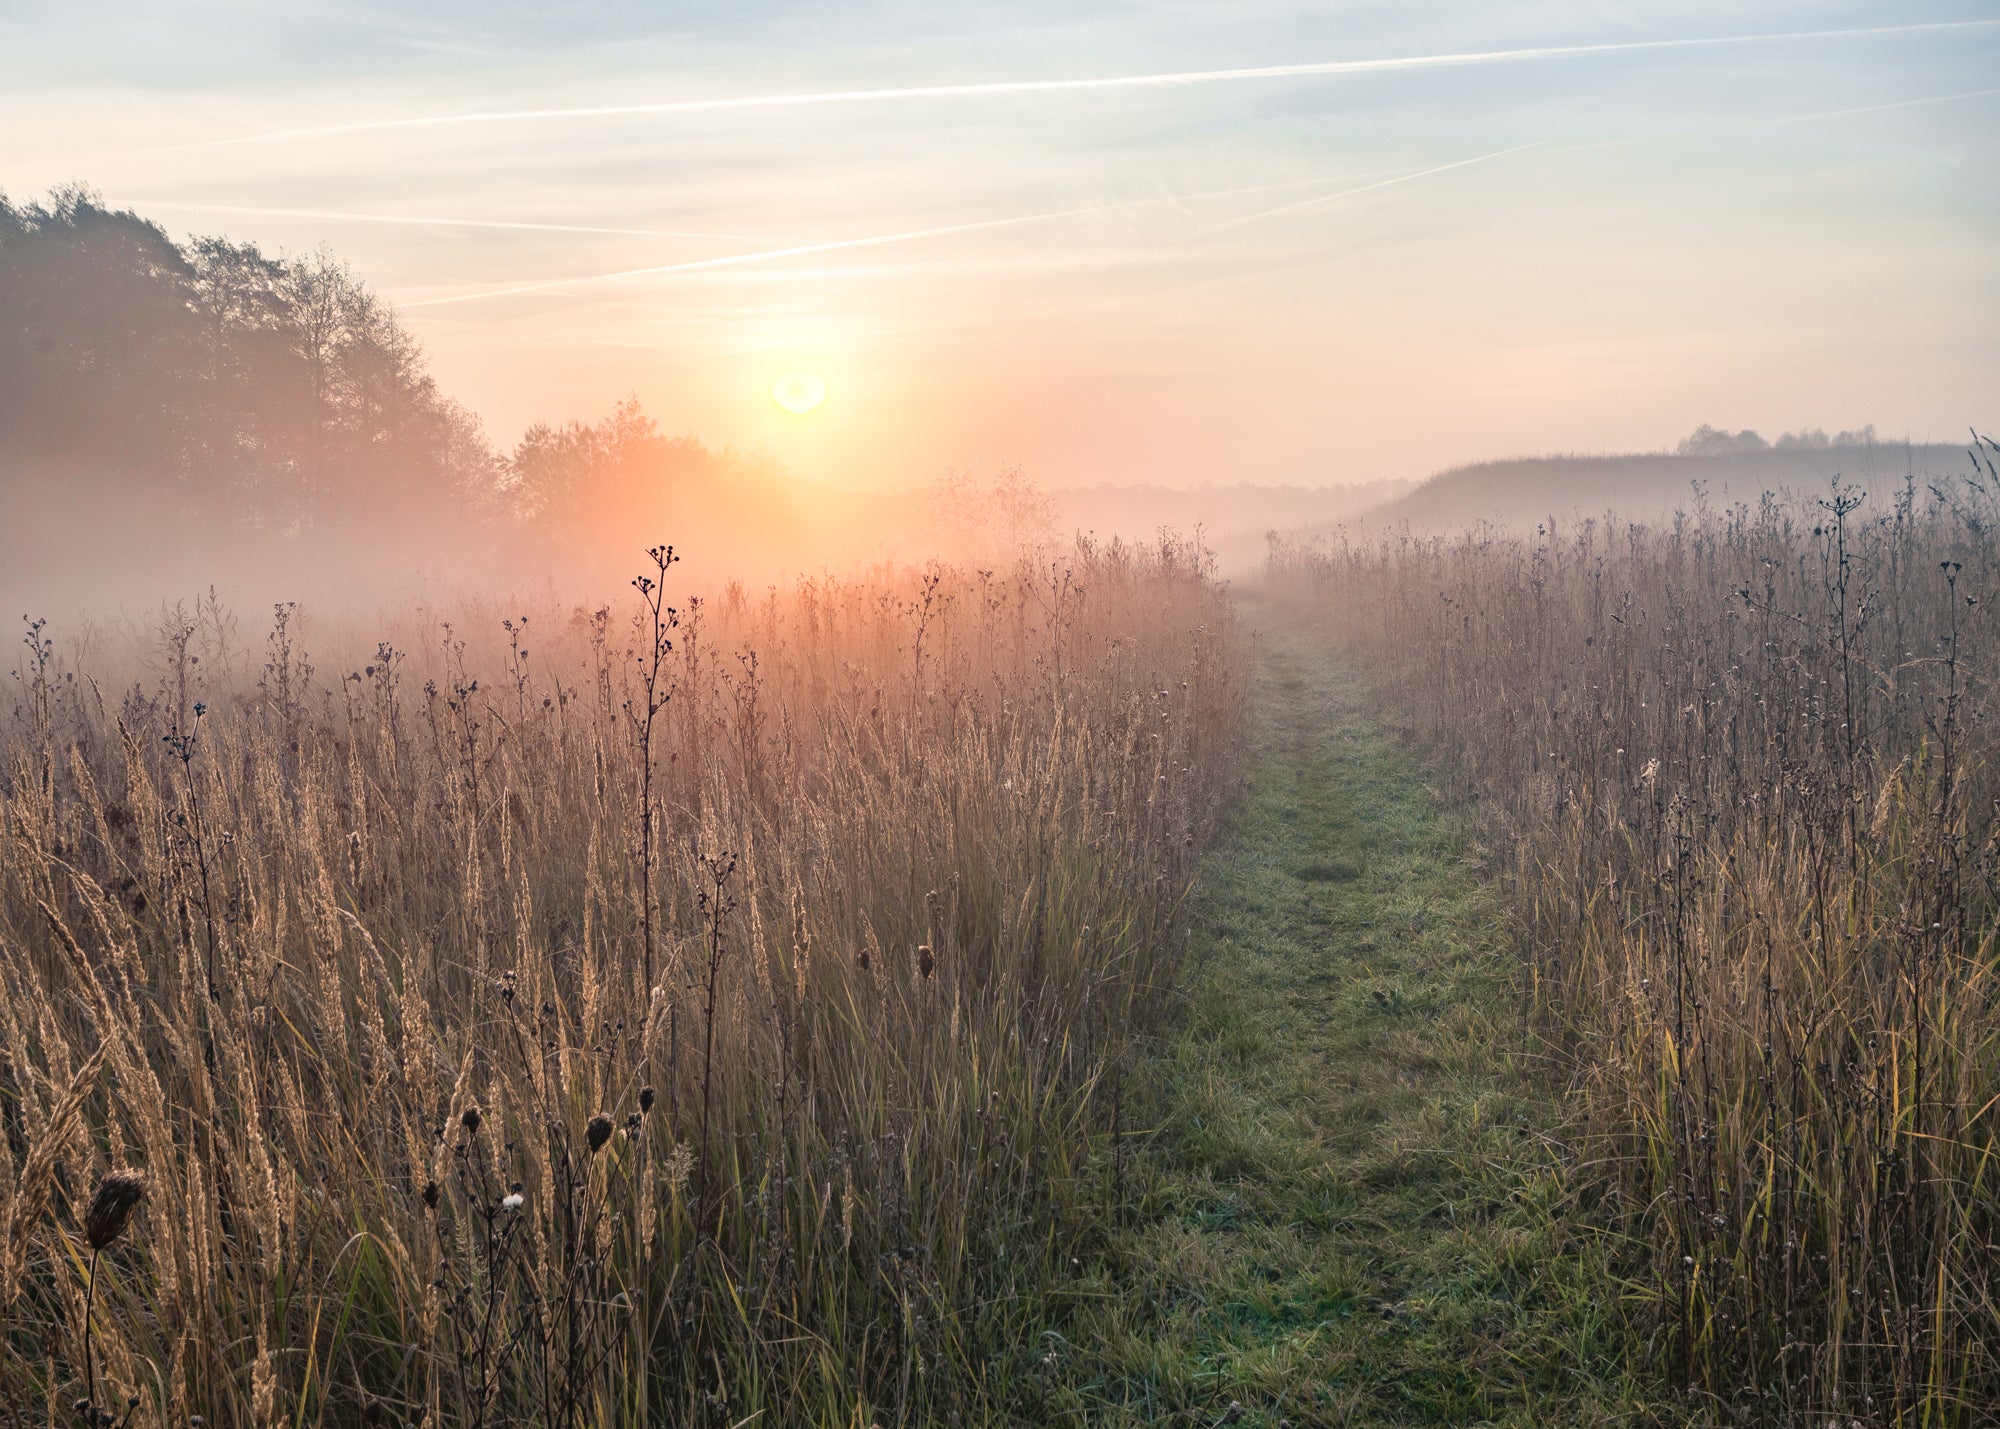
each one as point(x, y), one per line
point(110, 1211)
point(597, 1132)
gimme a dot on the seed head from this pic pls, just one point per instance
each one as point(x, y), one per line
point(118, 1195)
point(645, 1099)
point(598, 1132)
point(513, 1201)
point(470, 1121)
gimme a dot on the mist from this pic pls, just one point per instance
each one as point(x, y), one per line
point(180, 419)
point(963, 715)
point(201, 424)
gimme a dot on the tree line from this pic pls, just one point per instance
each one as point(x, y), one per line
point(211, 395)
point(214, 380)
point(1706, 440)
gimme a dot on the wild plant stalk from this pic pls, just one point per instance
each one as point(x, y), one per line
point(181, 744)
point(905, 975)
point(716, 905)
point(1747, 762)
point(110, 1210)
point(34, 681)
point(662, 619)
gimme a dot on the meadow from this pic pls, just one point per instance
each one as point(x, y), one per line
point(1741, 775)
point(671, 1011)
point(1495, 978)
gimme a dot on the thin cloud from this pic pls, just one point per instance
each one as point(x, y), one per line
point(1011, 88)
point(1370, 188)
point(419, 221)
point(733, 260)
point(950, 230)
point(772, 255)
point(431, 221)
point(1741, 124)
point(1320, 199)
point(1877, 108)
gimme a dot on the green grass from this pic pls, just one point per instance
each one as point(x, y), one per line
point(1344, 1208)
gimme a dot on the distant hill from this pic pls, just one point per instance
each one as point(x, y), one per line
point(1234, 520)
point(1524, 492)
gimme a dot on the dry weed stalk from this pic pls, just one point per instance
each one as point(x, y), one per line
point(475, 1084)
point(1748, 764)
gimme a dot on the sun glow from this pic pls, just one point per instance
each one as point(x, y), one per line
point(798, 392)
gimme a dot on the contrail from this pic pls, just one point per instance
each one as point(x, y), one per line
point(417, 221)
point(425, 221)
point(1005, 88)
point(1319, 199)
point(913, 235)
point(1370, 188)
point(767, 255)
point(733, 260)
point(1874, 108)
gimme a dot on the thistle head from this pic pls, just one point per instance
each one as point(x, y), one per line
point(110, 1210)
point(597, 1132)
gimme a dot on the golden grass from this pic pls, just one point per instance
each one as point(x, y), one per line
point(345, 960)
point(1748, 763)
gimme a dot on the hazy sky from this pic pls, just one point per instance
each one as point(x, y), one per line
point(1368, 270)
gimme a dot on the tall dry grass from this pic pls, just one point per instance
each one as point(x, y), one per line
point(630, 1015)
point(1749, 761)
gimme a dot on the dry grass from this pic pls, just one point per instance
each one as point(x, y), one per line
point(347, 959)
point(1750, 763)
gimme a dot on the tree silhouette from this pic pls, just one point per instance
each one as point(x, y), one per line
point(162, 389)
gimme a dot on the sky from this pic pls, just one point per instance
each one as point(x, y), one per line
point(1168, 243)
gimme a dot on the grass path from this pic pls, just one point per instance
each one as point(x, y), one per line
point(1342, 1214)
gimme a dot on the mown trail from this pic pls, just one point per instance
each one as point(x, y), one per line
point(1346, 1211)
